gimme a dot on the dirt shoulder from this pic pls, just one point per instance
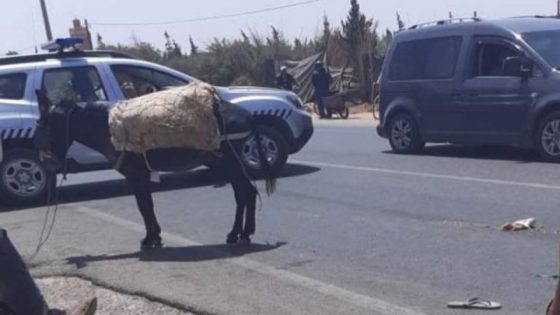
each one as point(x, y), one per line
point(67, 292)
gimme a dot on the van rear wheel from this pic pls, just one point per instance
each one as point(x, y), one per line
point(404, 134)
point(548, 138)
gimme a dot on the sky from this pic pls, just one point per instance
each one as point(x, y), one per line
point(22, 24)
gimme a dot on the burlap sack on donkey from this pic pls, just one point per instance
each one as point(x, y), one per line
point(178, 118)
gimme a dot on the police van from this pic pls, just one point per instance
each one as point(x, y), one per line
point(104, 78)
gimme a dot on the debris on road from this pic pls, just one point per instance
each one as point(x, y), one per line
point(554, 276)
point(525, 224)
point(475, 303)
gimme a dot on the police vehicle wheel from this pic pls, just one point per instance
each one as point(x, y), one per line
point(23, 179)
point(404, 134)
point(548, 138)
point(275, 148)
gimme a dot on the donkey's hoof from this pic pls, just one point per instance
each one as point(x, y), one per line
point(245, 239)
point(232, 239)
point(151, 243)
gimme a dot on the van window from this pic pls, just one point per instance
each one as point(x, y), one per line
point(136, 81)
point(12, 86)
point(547, 44)
point(75, 84)
point(426, 59)
point(490, 58)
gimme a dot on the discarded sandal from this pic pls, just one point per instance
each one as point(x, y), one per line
point(475, 303)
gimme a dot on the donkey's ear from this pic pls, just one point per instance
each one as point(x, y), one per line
point(44, 104)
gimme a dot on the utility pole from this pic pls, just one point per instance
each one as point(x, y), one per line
point(558, 9)
point(46, 20)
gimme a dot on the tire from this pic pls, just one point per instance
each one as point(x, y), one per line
point(344, 113)
point(23, 179)
point(548, 138)
point(404, 134)
point(275, 148)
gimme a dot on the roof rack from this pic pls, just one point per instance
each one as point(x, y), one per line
point(536, 16)
point(444, 22)
point(63, 55)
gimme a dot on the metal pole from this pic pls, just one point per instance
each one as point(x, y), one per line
point(558, 9)
point(46, 20)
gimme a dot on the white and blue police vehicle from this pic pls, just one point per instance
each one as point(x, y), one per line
point(104, 78)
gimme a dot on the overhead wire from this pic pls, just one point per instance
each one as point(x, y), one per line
point(209, 18)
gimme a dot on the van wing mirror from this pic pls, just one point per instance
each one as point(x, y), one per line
point(517, 67)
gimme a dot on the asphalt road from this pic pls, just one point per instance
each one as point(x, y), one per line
point(352, 229)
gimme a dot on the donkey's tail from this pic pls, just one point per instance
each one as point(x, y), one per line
point(266, 168)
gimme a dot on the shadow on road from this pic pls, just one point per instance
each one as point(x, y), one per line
point(169, 182)
point(180, 254)
point(487, 152)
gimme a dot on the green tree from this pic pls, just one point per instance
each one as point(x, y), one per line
point(358, 37)
point(194, 48)
point(139, 49)
point(277, 48)
point(325, 38)
point(100, 43)
point(400, 23)
point(172, 49)
point(12, 53)
point(245, 37)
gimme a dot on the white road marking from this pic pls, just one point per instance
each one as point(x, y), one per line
point(370, 303)
point(430, 175)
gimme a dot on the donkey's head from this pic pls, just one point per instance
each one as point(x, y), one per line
point(52, 137)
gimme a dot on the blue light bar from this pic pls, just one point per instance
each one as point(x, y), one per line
point(60, 44)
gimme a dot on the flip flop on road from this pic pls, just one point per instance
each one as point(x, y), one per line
point(475, 303)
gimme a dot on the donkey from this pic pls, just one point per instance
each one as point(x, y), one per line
point(59, 125)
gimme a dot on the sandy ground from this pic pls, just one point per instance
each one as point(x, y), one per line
point(64, 293)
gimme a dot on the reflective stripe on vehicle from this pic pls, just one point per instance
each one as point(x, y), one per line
point(18, 133)
point(283, 113)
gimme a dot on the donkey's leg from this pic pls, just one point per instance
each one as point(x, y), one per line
point(245, 197)
point(237, 228)
point(143, 195)
point(139, 179)
point(251, 205)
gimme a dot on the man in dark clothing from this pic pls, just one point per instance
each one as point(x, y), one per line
point(321, 82)
point(285, 80)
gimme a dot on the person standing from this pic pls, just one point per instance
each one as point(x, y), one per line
point(321, 82)
point(285, 80)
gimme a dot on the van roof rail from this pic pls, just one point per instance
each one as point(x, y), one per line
point(536, 16)
point(444, 22)
point(63, 55)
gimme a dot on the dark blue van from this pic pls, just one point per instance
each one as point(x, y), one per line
point(474, 82)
